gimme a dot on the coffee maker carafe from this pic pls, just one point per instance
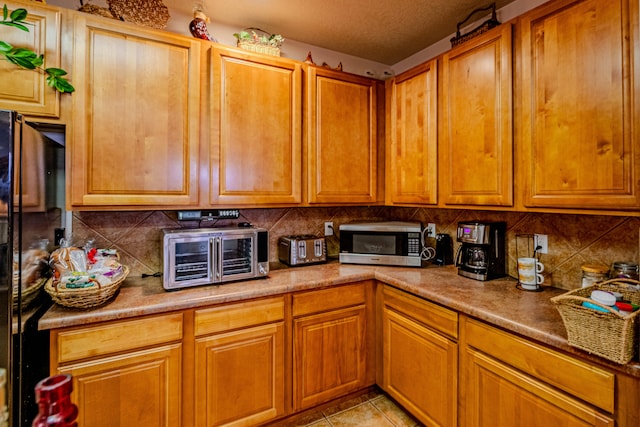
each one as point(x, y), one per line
point(481, 255)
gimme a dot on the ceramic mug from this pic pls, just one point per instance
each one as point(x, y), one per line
point(529, 270)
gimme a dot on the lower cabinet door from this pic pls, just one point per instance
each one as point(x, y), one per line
point(141, 388)
point(240, 376)
point(329, 355)
point(498, 395)
point(420, 369)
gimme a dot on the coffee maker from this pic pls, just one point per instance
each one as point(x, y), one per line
point(482, 253)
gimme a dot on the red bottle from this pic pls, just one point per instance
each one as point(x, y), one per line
point(55, 408)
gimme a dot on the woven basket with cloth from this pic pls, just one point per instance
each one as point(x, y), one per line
point(150, 13)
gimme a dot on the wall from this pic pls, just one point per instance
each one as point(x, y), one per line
point(179, 24)
point(574, 240)
point(505, 14)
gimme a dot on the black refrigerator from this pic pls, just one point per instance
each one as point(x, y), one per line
point(32, 221)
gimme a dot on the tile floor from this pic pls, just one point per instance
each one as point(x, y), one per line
point(371, 410)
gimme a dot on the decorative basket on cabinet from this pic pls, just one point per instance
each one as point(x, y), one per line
point(259, 41)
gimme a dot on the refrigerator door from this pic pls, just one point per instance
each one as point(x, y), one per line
point(7, 130)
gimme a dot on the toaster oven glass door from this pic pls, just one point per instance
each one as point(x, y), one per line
point(192, 261)
point(235, 257)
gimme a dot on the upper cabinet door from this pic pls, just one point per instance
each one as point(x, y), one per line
point(341, 137)
point(476, 158)
point(412, 137)
point(136, 112)
point(256, 121)
point(23, 90)
point(579, 105)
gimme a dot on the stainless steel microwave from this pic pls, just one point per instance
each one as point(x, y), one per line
point(384, 243)
point(194, 257)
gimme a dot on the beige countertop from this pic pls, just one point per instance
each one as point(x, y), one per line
point(498, 302)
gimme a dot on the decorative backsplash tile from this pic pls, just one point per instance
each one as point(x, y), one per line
point(574, 240)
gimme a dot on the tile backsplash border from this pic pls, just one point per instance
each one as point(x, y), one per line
point(574, 240)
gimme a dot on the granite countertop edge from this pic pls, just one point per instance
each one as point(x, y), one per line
point(497, 302)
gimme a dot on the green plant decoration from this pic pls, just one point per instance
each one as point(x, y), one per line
point(27, 58)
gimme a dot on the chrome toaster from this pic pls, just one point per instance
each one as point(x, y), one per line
point(302, 249)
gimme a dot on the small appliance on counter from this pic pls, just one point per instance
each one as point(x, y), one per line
point(203, 256)
point(444, 250)
point(382, 243)
point(302, 249)
point(482, 255)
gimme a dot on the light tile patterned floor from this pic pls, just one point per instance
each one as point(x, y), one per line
point(374, 411)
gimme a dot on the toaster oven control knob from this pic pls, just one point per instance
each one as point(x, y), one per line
point(261, 269)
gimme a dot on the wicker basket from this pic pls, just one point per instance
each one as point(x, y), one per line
point(608, 334)
point(96, 10)
point(85, 297)
point(151, 13)
point(28, 295)
point(257, 46)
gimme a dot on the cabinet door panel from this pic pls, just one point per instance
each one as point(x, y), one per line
point(240, 376)
point(329, 355)
point(136, 117)
point(23, 90)
point(579, 105)
point(412, 174)
point(33, 164)
point(420, 369)
point(141, 388)
point(341, 137)
point(498, 396)
point(256, 129)
point(477, 141)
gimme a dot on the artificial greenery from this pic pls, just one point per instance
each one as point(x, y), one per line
point(27, 58)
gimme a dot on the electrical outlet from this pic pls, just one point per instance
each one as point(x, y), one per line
point(328, 228)
point(431, 230)
point(541, 240)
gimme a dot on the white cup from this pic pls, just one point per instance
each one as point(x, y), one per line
point(529, 270)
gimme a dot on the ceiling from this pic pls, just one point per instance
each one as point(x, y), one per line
point(384, 31)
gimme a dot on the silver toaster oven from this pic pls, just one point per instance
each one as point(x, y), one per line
point(214, 255)
point(302, 249)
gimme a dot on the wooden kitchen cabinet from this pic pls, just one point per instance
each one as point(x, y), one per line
point(332, 343)
point(506, 379)
point(23, 90)
point(256, 120)
point(412, 138)
point(578, 82)
point(476, 126)
point(239, 363)
point(136, 115)
point(420, 357)
point(125, 373)
point(31, 155)
point(341, 137)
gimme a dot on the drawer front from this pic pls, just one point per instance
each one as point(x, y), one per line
point(118, 336)
point(579, 379)
point(240, 315)
point(432, 315)
point(329, 299)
